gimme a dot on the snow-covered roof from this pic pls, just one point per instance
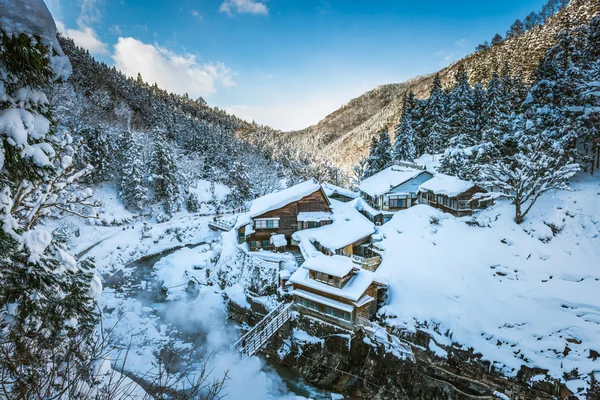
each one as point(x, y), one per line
point(348, 226)
point(278, 240)
point(338, 266)
point(352, 290)
point(330, 190)
point(388, 179)
point(364, 300)
point(361, 205)
point(445, 184)
point(314, 216)
point(279, 199)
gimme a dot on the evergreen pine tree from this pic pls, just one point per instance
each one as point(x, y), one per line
point(462, 122)
point(98, 154)
point(47, 316)
point(435, 126)
point(404, 142)
point(164, 172)
point(380, 154)
point(479, 105)
point(133, 191)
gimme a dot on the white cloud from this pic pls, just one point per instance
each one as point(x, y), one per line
point(290, 116)
point(90, 12)
point(231, 7)
point(196, 14)
point(85, 37)
point(179, 73)
point(115, 30)
point(462, 42)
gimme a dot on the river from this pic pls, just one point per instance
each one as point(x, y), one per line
point(143, 286)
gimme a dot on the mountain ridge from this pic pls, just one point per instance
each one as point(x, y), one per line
point(342, 137)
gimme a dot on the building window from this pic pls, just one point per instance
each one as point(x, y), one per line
point(311, 224)
point(266, 224)
point(397, 203)
point(266, 243)
point(253, 243)
point(300, 225)
point(307, 303)
point(334, 312)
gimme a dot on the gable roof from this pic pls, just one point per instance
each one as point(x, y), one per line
point(276, 200)
point(447, 185)
point(338, 266)
point(331, 190)
point(352, 290)
point(348, 226)
point(383, 181)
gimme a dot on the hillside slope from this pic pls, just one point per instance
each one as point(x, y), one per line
point(343, 136)
point(520, 295)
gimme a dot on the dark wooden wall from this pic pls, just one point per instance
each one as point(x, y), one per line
point(288, 214)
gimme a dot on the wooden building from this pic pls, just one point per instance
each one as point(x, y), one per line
point(335, 290)
point(338, 193)
point(302, 206)
point(451, 194)
point(349, 235)
point(393, 189)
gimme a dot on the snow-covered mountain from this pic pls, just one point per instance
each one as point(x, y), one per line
point(343, 137)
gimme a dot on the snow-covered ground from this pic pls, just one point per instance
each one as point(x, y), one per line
point(137, 259)
point(519, 295)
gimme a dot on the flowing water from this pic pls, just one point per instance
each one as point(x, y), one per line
point(142, 285)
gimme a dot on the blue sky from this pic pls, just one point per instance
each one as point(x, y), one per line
point(285, 63)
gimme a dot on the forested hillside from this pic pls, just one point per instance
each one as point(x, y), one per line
point(343, 137)
point(155, 145)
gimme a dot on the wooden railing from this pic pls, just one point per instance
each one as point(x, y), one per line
point(368, 263)
point(260, 334)
point(221, 225)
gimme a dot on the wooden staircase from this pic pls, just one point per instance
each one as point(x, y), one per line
point(299, 258)
point(260, 334)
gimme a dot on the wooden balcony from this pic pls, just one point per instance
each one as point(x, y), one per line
point(368, 263)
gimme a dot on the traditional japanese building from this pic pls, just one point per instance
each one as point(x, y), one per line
point(451, 194)
point(393, 189)
point(334, 289)
point(349, 235)
point(338, 193)
point(273, 218)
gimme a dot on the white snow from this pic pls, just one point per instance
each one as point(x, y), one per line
point(314, 216)
point(279, 199)
point(447, 185)
point(437, 350)
point(29, 17)
point(339, 266)
point(36, 241)
point(203, 190)
point(278, 240)
point(348, 227)
point(352, 290)
point(430, 161)
point(32, 18)
point(387, 179)
point(331, 190)
point(181, 267)
point(305, 337)
point(237, 295)
point(497, 287)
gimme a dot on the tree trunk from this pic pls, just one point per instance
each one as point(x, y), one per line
point(518, 216)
